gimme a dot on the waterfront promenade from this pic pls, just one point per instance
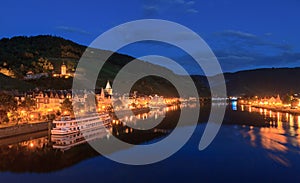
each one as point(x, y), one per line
point(20, 129)
point(278, 108)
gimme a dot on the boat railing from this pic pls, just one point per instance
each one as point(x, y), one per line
point(70, 120)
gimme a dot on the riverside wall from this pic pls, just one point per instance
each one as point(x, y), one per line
point(23, 129)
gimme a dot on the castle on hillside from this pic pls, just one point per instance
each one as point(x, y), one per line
point(63, 72)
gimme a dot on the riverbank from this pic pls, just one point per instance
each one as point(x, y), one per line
point(126, 112)
point(23, 129)
point(278, 109)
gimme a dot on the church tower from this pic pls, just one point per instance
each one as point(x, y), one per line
point(63, 69)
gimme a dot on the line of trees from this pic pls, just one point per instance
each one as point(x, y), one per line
point(9, 105)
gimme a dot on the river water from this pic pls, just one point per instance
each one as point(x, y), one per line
point(253, 145)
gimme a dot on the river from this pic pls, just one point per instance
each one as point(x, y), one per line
point(253, 145)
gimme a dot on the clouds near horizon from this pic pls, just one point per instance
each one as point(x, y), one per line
point(237, 50)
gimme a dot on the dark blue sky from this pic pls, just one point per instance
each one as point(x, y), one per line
point(242, 34)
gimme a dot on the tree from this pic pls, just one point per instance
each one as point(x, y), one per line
point(66, 106)
point(51, 117)
point(7, 102)
point(287, 99)
point(28, 104)
point(3, 116)
point(44, 64)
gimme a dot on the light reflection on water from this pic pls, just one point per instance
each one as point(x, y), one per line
point(279, 138)
point(41, 140)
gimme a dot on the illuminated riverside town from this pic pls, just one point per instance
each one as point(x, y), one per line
point(37, 106)
point(290, 103)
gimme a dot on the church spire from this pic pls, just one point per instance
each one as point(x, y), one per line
point(108, 85)
point(108, 89)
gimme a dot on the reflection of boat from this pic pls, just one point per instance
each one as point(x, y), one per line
point(65, 142)
point(67, 125)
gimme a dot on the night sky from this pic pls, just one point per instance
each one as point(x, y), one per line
point(242, 34)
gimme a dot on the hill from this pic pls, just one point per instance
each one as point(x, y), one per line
point(45, 54)
point(21, 54)
point(263, 82)
point(38, 53)
point(8, 83)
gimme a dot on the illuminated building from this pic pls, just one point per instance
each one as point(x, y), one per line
point(108, 89)
point(63, 72)
point(63, 69)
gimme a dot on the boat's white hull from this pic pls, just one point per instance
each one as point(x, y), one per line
point(61, 132)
